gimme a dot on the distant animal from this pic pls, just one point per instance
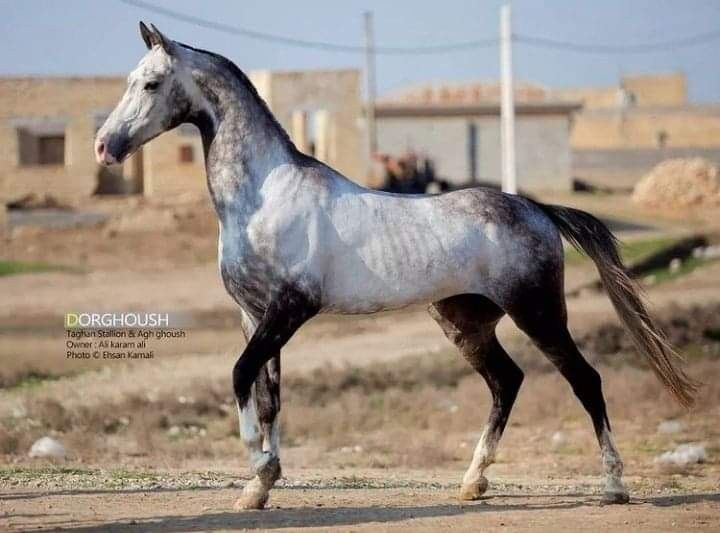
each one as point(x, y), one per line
point(297, 238)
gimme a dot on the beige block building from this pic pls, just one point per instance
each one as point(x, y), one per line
point(644, 90)
point(322, 111)
point(623, 131)
point(46, 132)
point(47, 127)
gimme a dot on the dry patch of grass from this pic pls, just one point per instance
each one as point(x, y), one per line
point(419, 412)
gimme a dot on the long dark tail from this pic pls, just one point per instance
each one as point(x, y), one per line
point(591, 236)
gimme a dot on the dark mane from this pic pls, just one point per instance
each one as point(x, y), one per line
point(245, 81)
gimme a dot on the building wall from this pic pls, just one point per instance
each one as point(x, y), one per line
point(642, 90)
point(67, 101)
point(332, 97)
point(623, 131)
point(643, 111)
point(76, 107)
point(640, 128)
point(443, 139)
point(165, 173)
point(591, 97)
point(652, 90)
point(542, 147)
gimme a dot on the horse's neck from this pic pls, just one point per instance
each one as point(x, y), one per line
point(243, 144)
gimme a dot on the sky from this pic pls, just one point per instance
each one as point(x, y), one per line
point(84, 37)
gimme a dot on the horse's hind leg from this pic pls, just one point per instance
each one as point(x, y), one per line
point(544, 319)
point(469, 322)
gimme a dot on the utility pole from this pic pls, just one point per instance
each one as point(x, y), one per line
point(370, 84)
point(507, 104)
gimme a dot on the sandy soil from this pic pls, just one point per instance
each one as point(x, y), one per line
point(32, 308)
point(355, 509)
point(532, 486)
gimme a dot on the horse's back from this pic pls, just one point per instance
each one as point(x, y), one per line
point(387, 251)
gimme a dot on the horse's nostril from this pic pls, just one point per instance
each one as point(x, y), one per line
point(100, 148)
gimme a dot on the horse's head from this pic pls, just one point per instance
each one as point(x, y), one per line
point(156, 100)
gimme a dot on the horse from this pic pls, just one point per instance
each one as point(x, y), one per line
point(297, 238)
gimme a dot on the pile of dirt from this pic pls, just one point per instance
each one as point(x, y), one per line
point(695, 326)
point(677, 183)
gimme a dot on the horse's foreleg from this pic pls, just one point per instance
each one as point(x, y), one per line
point(256, 382)
point(259, 429)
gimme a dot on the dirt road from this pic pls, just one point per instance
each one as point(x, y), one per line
point(399, 503)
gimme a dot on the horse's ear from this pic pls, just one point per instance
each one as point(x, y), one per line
point(165, 43)
point(146, 35)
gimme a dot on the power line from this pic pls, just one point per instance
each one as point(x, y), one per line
point(529, 40)
point(305, 43)
point(685, 42)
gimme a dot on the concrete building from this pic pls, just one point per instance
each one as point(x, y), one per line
point(458, 127)
point(47, 126)
point(625, 130)
point(322, 111)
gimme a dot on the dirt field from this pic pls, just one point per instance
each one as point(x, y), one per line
point(345, 508)
point(379, 419)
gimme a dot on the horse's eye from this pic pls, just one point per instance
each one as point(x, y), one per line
point(152, 85)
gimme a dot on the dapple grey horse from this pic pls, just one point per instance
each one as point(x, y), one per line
point(297, 239)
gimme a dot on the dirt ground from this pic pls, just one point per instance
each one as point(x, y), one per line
point(380, 416)
point(420, 508)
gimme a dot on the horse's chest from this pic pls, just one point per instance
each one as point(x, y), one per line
point(248, 277)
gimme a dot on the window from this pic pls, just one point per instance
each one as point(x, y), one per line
point(186, 153)
point(51, 150)
point(40, 148)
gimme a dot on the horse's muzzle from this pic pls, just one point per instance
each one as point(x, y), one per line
point(109, 151)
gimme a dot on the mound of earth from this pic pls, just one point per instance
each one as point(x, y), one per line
point(679, 183)
point(697, 325)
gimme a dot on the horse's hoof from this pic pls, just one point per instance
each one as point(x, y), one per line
point(473, 491)
point(613, 498)
point(251, 501)
point(254, 496)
